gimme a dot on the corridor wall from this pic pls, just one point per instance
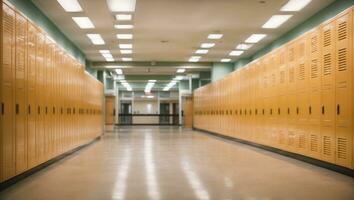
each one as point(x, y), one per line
point(49, 105)
point(298, 98)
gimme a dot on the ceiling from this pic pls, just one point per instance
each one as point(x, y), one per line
point(184, 24)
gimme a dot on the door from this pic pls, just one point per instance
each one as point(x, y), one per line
point(164, 113)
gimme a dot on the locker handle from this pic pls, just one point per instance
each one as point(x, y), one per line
point(46, 110)
point(114, 112)
point(53, 110)
point(17, 109)
point(288, 111)
point(338, 109)
point(297, 110)
point(278, 111)
point(2, 108)
point(271, 111)
point(256, 111)
point(310, 110)
point(39, 110)
point(323, 110)
point(29, 109)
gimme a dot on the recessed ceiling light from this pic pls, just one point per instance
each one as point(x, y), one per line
point(121, 5)
point(70, 5)
point(119, 71)
point(225, 60)
point(236, 53)
point(244, 46)
point(107, 55)
point(96, 39)
point(152, 81)
point(207, 45)
point(125, 46)
point(215, 36)
point(83, 22)
point(295, 5)
point(123, 26)
point(126, 51)
point(124, 17)
point(178, 78)
point(104, 51)
point(194, 59)
point(109, 59)
point(125, 36)
point(276, 20)
point(201, 51)
point(181, 70)
point(254, 38)
point(127, 59)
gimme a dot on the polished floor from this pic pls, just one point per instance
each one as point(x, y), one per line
point(173, 163)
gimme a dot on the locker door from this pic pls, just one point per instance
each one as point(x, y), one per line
point(282, 100)
point(20, 93)
point(314, 43)
point(302, 95)
point(344, 89)
point(31, 96)
point(39, 97)
point(7, 93)
point(291, 95)
point(327, 92)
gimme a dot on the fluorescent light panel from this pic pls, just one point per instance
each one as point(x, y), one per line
point(96, 39)
point(254, 38)
point(207, 45)
point(121, 5)
point(215, 36)
point(83, 22)
point(295, 5)
point(125, 46)
point(125, 36)
point(109, 59)
point(236, 53)
point(194, 59)
point(276, 20)
point(201, 51)
point(225, 60)
point(126, 51)
point(244, 46)
point(123, 26)
point(70, 5)
point(107, 55)
point(127, 59)
point(181, 70)
point(124, 17)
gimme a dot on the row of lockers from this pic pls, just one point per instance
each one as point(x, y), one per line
point(297, 98)
point(49, 105)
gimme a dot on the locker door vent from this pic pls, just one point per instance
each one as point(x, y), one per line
point(313, 143)
point(327, 145)
point(291, 75)
point(342, 58)
point(302, 141)
point(342, 148)
point(282, 59)
point(282, 77)
point(302, 71)
point(314, 44)
point(314, 69)
point(342, 31)
point(302, 50)
point(327, 38)
point(327, 64)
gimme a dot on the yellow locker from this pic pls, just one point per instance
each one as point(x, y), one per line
point(344, 89)
point(39, 97)
point(327, 92)
point(315, 69)
point(302, 95)
point(31, 96)
point(7, 93)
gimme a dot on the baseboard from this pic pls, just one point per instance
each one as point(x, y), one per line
point(320, 163)
point(35, 169)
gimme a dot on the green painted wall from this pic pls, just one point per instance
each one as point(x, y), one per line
point(330, 11)
point(184, 85)
point(36, 15)
point(219, 70)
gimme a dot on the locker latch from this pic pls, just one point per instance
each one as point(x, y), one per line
point(2, 108)
point(323, 110)
point(17, 109)
point(29, 109)
point(338, 109)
